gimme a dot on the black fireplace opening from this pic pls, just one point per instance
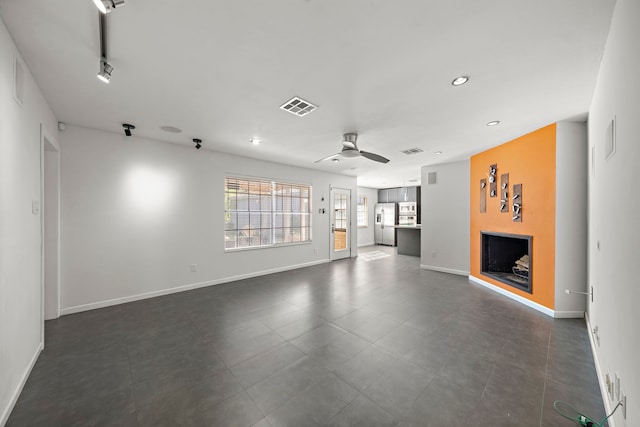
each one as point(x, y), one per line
point(507, 258)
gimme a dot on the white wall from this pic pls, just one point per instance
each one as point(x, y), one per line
point(613, 208)
point(445, 218)
point(20, 260)
point(136, 213)
point(366, 234)
point(571, 218)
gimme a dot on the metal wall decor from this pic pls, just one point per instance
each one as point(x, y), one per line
point(493, 185)
point(517, 203)
point(504, 192)
point(483, 195)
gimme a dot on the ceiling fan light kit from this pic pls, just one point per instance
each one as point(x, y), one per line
point(350, 150)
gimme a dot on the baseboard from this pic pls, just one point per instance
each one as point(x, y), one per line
point(444, 270)
point(568, 314)
point(16, 394)
point(601, 380)
point(529, 303)
point(138, 297)
point(362, 245)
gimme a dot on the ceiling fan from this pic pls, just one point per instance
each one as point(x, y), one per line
point(350, 150)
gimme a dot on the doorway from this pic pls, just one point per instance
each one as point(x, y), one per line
point(50, 217)
point(340, 223)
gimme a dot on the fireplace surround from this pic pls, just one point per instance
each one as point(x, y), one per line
point(499, 253)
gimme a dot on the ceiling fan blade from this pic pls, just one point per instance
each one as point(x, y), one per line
point(375, 157)
point(328, 158)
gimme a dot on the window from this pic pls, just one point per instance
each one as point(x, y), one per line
point(262, 213)
point(363, 212)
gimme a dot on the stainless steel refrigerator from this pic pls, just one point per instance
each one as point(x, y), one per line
point(385, 226)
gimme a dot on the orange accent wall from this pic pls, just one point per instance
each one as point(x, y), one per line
point(531, 161)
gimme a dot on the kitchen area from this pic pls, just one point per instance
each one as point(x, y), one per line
point(397, 219)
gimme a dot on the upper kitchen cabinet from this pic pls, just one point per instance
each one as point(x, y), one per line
point(413, 194)
point(393, 195)
point(383, 196)
point(399, 195)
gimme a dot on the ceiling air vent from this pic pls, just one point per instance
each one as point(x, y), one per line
point(298, 106)
point(410, 151)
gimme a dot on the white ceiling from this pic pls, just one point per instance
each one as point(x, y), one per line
point(220, 70)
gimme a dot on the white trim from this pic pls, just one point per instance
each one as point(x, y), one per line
point(16, 394)
point(601, 381)
point(568, 314)
point(532, 304)
point(47, 137)
point(131, 298)
point(444, 270)
point(362, 245)
point(348, 252)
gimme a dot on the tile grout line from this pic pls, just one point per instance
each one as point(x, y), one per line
point(544, 384)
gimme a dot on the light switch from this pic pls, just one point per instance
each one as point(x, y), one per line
point(35, 207)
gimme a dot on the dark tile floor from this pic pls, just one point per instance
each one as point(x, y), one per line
point(350, 343)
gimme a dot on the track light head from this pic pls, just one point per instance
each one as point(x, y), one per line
point(197, 142)
point(105, 71)
point(127, 128)
point(106, 6)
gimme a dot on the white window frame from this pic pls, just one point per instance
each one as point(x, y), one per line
point(264, 213)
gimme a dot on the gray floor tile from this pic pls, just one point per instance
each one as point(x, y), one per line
point(443, 404)
point(344, 343)
point(367, 325)
point(266, 364)
point(299, 327)
point(155, 398)
point(317, 338)
point(237, 411)
point(275, 391)
point(239, 351)
point(366, 367)
point(316, 405)
point(363, 412)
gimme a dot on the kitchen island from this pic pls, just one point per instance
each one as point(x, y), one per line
point(408, 239)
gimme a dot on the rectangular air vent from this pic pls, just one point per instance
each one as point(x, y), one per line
point(432, 178)
point(410, 151)
point(298, 106)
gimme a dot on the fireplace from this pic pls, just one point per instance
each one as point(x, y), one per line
point(507, 258)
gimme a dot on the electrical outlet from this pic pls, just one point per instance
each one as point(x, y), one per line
point(194, 268)
point(623, 399)
point(434, 254)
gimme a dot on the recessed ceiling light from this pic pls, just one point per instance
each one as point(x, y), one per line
point(493, 123)
point(437, 153)
point(255, 141)
point(458, 81)
point(335, 160)
point(170, 129)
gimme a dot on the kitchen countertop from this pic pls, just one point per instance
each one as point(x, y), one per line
point(416, 227)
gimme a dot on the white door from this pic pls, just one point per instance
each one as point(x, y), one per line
point(340, 223)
